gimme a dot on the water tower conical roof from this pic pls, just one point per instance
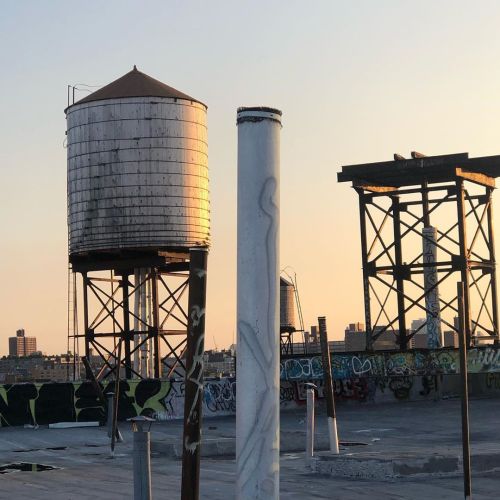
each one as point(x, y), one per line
point(135, 83)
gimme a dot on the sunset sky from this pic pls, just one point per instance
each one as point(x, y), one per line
point(356, 81)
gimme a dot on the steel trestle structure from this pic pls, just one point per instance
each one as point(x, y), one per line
point(118, 333)
point(402, 203)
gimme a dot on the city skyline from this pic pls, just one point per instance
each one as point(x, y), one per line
point(349, 93)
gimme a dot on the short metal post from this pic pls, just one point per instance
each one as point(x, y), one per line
point(310, 424)
point(465, 392)
point(328, 378)
point(142, 458)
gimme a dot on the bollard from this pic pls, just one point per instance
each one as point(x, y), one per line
point(142, 458)
point(310, 423)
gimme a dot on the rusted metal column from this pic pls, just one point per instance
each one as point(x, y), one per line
point(88, 374)
point(465, 392)
point(366, 275)
point(328, 379)
point(398, 254)
point(425, 204)
point(114, 429)
point(193, 398)
point(126, 327)
point(156, 324)
point(137, 309)
point(493, 277)
point(464, 256)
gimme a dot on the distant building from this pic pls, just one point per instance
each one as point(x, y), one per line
point(39, 368)
point(218, 363)
point(314, 335)
point(418, 324)
point(20, 345)
point(387, 340)
point(450, 338)
point(355, 327)
point(355, 337)
point(355, 341)
point(419, 340)
point(336, 345)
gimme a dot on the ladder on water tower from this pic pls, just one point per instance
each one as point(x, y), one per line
point(73, 325)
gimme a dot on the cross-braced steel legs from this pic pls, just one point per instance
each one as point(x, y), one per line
point(395, 264)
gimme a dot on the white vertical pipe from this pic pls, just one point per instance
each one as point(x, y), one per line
point(257, 406)
point(433, 324)
point(137, 304)
point(310, 426)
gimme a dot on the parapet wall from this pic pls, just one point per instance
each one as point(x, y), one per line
point(422, 362)
point(47, 403)
point(360, 377)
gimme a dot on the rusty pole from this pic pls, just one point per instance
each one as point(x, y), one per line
point(465, 391)
point(329, 393)
point(191, 448)
point(464, 257)
point(86, 324)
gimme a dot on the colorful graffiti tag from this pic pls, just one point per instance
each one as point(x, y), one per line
point(41, 404)
point(67, 402)
point(357, 376)
point(391, 364)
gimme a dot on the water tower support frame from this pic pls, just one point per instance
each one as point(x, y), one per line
point(106, 301)
point(405, 194)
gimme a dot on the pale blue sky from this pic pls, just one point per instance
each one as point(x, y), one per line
point(356, 82)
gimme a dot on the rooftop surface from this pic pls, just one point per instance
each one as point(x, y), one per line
point(424, 428)
point(431, 169)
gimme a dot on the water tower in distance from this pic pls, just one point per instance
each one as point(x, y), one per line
point(289, 298)
point(138, 221)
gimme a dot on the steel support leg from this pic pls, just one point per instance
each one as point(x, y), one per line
point(194, 374)
point(464, 257)
point(127, 334)
point(398, 251)
point(366, 276)
point(493, 276)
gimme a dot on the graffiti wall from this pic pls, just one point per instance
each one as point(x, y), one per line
point(47, 403)
point(360, 377)
point(68, 402)
point(219, 399)
point(391, 364)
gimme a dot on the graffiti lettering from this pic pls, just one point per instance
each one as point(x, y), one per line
point(393, 364)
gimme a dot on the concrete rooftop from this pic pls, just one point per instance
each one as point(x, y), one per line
point(389, 430)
